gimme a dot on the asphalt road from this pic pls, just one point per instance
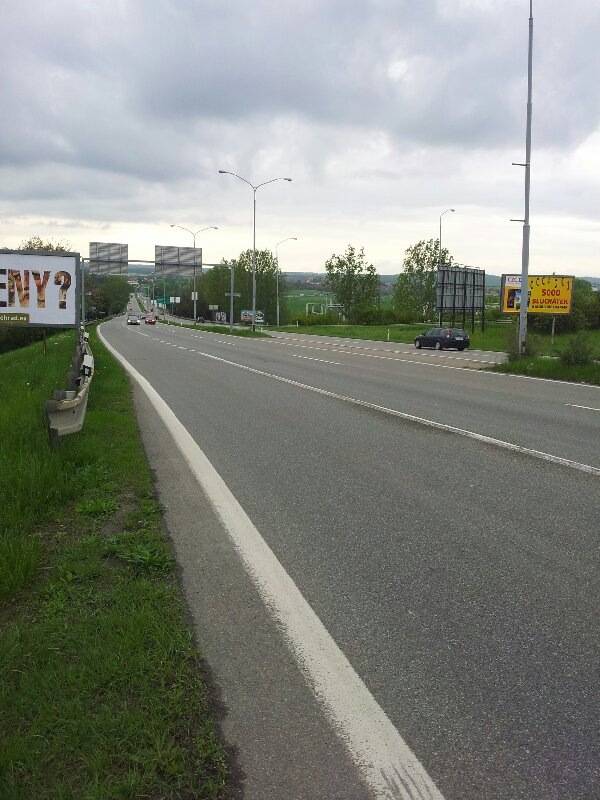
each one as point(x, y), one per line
point(459, 578)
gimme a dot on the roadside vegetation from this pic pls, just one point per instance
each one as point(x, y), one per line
point(101, 690)
point(223, 329)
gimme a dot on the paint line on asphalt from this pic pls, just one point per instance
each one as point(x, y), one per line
point(586, 408)
point(436, 354)
point(389, 766)
point(320, 360)
point(469, 369)
point(429, 423)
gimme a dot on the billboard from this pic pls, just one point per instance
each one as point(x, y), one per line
point(181, 261)
point(108, 258)
point(39, 289)
point(460, 289)
point(548, 294)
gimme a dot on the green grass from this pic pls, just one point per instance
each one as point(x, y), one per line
point(101, 689)
point(248, 332)
point(495, 337)
point(541, 367)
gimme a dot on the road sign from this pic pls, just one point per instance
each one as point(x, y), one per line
point(194, 295)
point(108, 258)
point(184, 261)
point(213, 308)
point(233, 294)
point(38, 289)
point(548, 294)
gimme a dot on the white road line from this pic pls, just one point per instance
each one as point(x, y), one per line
point(587, 408)
point(388, 358)
point(429, 423)
point(390, 767)
point(352, 346)
point(460, 369)
point(321, 360)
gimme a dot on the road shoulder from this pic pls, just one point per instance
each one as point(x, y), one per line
point(285, 746)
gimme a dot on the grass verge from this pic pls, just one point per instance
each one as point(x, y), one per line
point(540, 367)
point(248, 332)
point(101, 688)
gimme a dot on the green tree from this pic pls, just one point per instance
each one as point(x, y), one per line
point(355, 284)
point(414, 292)
point(46, 245)
point(105, 295)
point(266, 282)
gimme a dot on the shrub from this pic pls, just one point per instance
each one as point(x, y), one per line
point(512, 345)
point(578, 352)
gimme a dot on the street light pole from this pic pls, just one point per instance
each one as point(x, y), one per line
point(447, 211)
point(254, 190)
point(526, 226)
point(451, 210)
point(194, 234)
point(289, 239)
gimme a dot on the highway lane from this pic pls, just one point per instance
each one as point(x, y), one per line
point(552, 417)
point(459, 579)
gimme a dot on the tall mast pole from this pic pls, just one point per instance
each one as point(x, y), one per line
point(526, 227)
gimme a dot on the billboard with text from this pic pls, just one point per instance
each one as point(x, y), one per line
point(548, 294)
point(39, 289)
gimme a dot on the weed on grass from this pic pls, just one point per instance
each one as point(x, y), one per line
point(140, 553)
point(96, 507)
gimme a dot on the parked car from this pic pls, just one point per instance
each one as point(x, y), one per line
point(133, 319)
point(150, 320)
point(443, 338)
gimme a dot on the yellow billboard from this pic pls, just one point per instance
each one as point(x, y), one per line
point(548, 294)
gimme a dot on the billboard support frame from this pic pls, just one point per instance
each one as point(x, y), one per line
point(466, 295)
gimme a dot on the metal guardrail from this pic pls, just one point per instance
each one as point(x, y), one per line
point(65, 412)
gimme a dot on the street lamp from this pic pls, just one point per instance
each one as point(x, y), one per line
point(194, 234)
point(289, 239)
point(452, 210)
point(254, 190)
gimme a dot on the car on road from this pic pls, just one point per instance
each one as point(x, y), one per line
point(133, 319)
point(443, 339)
point(150, 320)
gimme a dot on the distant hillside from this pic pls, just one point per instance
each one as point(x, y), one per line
point(309, 279)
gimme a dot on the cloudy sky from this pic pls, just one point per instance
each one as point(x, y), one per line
point(118, 114)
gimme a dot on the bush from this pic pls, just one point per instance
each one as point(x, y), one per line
point(512, 345)
point(579, 351)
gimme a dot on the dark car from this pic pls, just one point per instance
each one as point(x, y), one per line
point(133, 319)
point(443, 338)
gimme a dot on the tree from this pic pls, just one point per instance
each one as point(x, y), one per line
point(49, 246)
point(414, 292)
point(355, 284)
point(266, 282)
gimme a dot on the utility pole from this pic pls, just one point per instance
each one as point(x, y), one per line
point(231, 297)
point(526, 227)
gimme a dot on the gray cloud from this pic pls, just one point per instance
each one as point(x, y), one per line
point(126, 109)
